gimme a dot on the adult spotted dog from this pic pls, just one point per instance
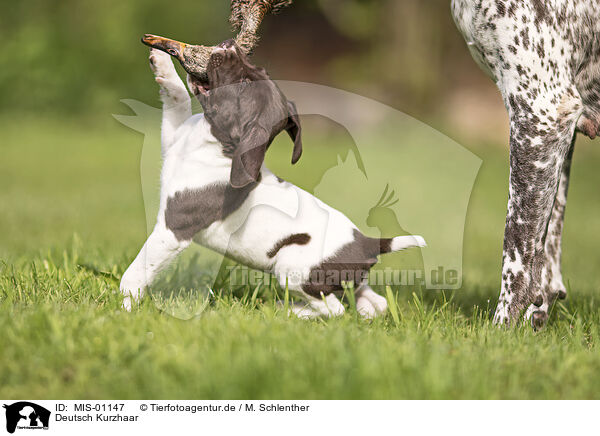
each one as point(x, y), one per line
point(544, 58)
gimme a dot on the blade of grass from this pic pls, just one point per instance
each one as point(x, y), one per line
point(393, 307)
point(349, 293)
point(286, 298)
point(253, 297)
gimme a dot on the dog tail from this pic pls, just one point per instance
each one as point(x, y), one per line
point(399, 243)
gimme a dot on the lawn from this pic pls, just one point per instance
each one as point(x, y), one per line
point(72, 218)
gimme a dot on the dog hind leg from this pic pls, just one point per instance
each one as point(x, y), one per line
point(542, 131)
point(552, 282)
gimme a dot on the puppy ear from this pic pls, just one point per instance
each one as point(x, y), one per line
point(248, 157)
point(294, 130)
point(194, 87)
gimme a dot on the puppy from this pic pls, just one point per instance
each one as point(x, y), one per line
point(216, 192)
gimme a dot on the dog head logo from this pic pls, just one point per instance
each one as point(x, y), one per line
point(26, 415)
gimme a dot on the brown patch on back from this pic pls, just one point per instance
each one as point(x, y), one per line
point(385, 245)
point(296, 238)
point(192, 210)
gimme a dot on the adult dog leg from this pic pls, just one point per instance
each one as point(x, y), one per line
point(542, 130)
point(160, 249)
point(552, 282)
point(177, 106)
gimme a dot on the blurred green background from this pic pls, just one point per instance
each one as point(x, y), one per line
point(67, 166)
point(71, 57)
point(72, 217)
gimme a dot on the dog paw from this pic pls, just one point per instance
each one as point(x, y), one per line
point(327, 307)
point(501, 316)
point(558, 290)
point(161, 64)
point(126, 304)
point(172, 92)
point(131, 290)
point(538, 319)
point(377, 302)
point(303, 311)
point(333, 306)
point(365, 308)
point(172, 89)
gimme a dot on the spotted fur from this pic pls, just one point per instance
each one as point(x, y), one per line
point(543, 56)
point(246, 16)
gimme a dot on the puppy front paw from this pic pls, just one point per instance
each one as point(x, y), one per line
point(161, 64)
point(171, 92)
point(171, 86)
point(132, 291)
point(126, 304)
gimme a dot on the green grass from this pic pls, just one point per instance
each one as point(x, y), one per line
point(72, 218)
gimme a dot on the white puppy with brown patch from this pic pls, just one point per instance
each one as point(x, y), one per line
point(216, 192)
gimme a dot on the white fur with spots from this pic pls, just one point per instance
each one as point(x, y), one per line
point(274, 209)
point(543, 56)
